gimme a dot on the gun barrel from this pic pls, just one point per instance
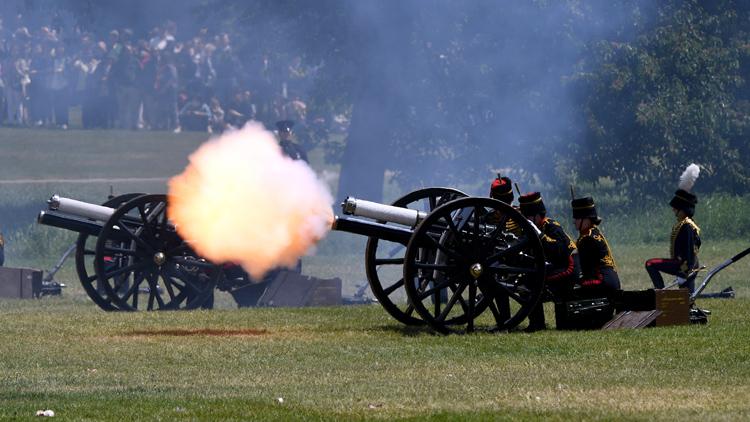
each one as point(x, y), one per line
point(79, 208)
point(69, 222)
point(77, 224)
point(381, 212)
point(372, 229)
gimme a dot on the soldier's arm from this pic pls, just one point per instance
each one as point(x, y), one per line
point(684, 251)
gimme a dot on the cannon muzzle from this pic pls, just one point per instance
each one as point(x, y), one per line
point(381, 212)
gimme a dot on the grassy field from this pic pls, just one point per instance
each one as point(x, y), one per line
point(342, 363)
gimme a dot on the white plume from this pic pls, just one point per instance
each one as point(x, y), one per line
point(689, 176)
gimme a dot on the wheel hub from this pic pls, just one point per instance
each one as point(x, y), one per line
point(160, 258)
point(476, 270)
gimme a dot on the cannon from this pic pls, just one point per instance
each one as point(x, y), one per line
point(439, 257)
point(129, 256)
point(434, 256)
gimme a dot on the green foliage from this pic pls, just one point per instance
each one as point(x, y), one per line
point(668, 98)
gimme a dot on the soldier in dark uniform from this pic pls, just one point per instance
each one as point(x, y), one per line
point(598, 268)
point(685, 242)
point(290, 148)
point(502, 190)
point(560, 252)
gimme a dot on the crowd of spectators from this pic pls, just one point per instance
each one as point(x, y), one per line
point(156, 80)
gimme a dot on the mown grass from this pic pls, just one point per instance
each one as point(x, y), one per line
point(357, 363)
point(339, 363)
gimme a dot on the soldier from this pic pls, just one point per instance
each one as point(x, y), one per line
point(685, 243)
point(290, 148)
point(560, 252)
point(598, 268)
point(502, 189)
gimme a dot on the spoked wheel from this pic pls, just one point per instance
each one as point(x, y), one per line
point(489, 257)
point(145, 265)
point(85, 251)
point(384, 260)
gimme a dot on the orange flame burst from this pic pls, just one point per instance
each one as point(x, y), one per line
point(241, 200)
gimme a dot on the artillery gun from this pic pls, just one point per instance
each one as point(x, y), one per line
point(454, 258)
point(434, 256)
point(127, 249)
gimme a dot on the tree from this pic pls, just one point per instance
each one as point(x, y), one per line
point(666, 99)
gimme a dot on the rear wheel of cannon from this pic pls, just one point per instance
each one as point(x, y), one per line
point(384, 260)
point(145, 265)
point(489, 257)
point(85, 251)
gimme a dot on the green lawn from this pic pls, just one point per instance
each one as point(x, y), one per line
point(357, 363)
point(63, 353)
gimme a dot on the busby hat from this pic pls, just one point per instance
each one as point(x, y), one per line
point(684, 200)
point(531, 204)
point(502, 189)
point(285, 125)
point(584, 208)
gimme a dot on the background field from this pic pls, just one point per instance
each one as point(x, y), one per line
point(65, 354)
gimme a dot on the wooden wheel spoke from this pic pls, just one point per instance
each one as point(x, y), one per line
point(170, 290)
point(512, 293)
point(452, 227)
point(451, 302)
point(389, 261)
point(460, 297)
point(154, 289)
point(393, 287)
point(433, 202)
point(475, 217)
point(128, 268)
point(448, 251)
point(146, 222)
point(435, 288)
point(133, 290)
point(135, 237)
point(156, 211)
point(489, 296)
point(515, 248)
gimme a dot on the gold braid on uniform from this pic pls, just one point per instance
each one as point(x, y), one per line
point(608, 259)
point(676, 230)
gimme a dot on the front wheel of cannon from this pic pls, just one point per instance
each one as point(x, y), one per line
point(145, 265)
point(85, 251)
point(490, 257)
point(384, 260)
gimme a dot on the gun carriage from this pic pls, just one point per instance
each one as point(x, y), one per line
point(434, 256)
point(461, 262)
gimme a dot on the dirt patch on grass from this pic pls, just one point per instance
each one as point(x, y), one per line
point(199, 332)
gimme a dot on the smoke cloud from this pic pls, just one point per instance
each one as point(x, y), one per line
point(241, 200)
